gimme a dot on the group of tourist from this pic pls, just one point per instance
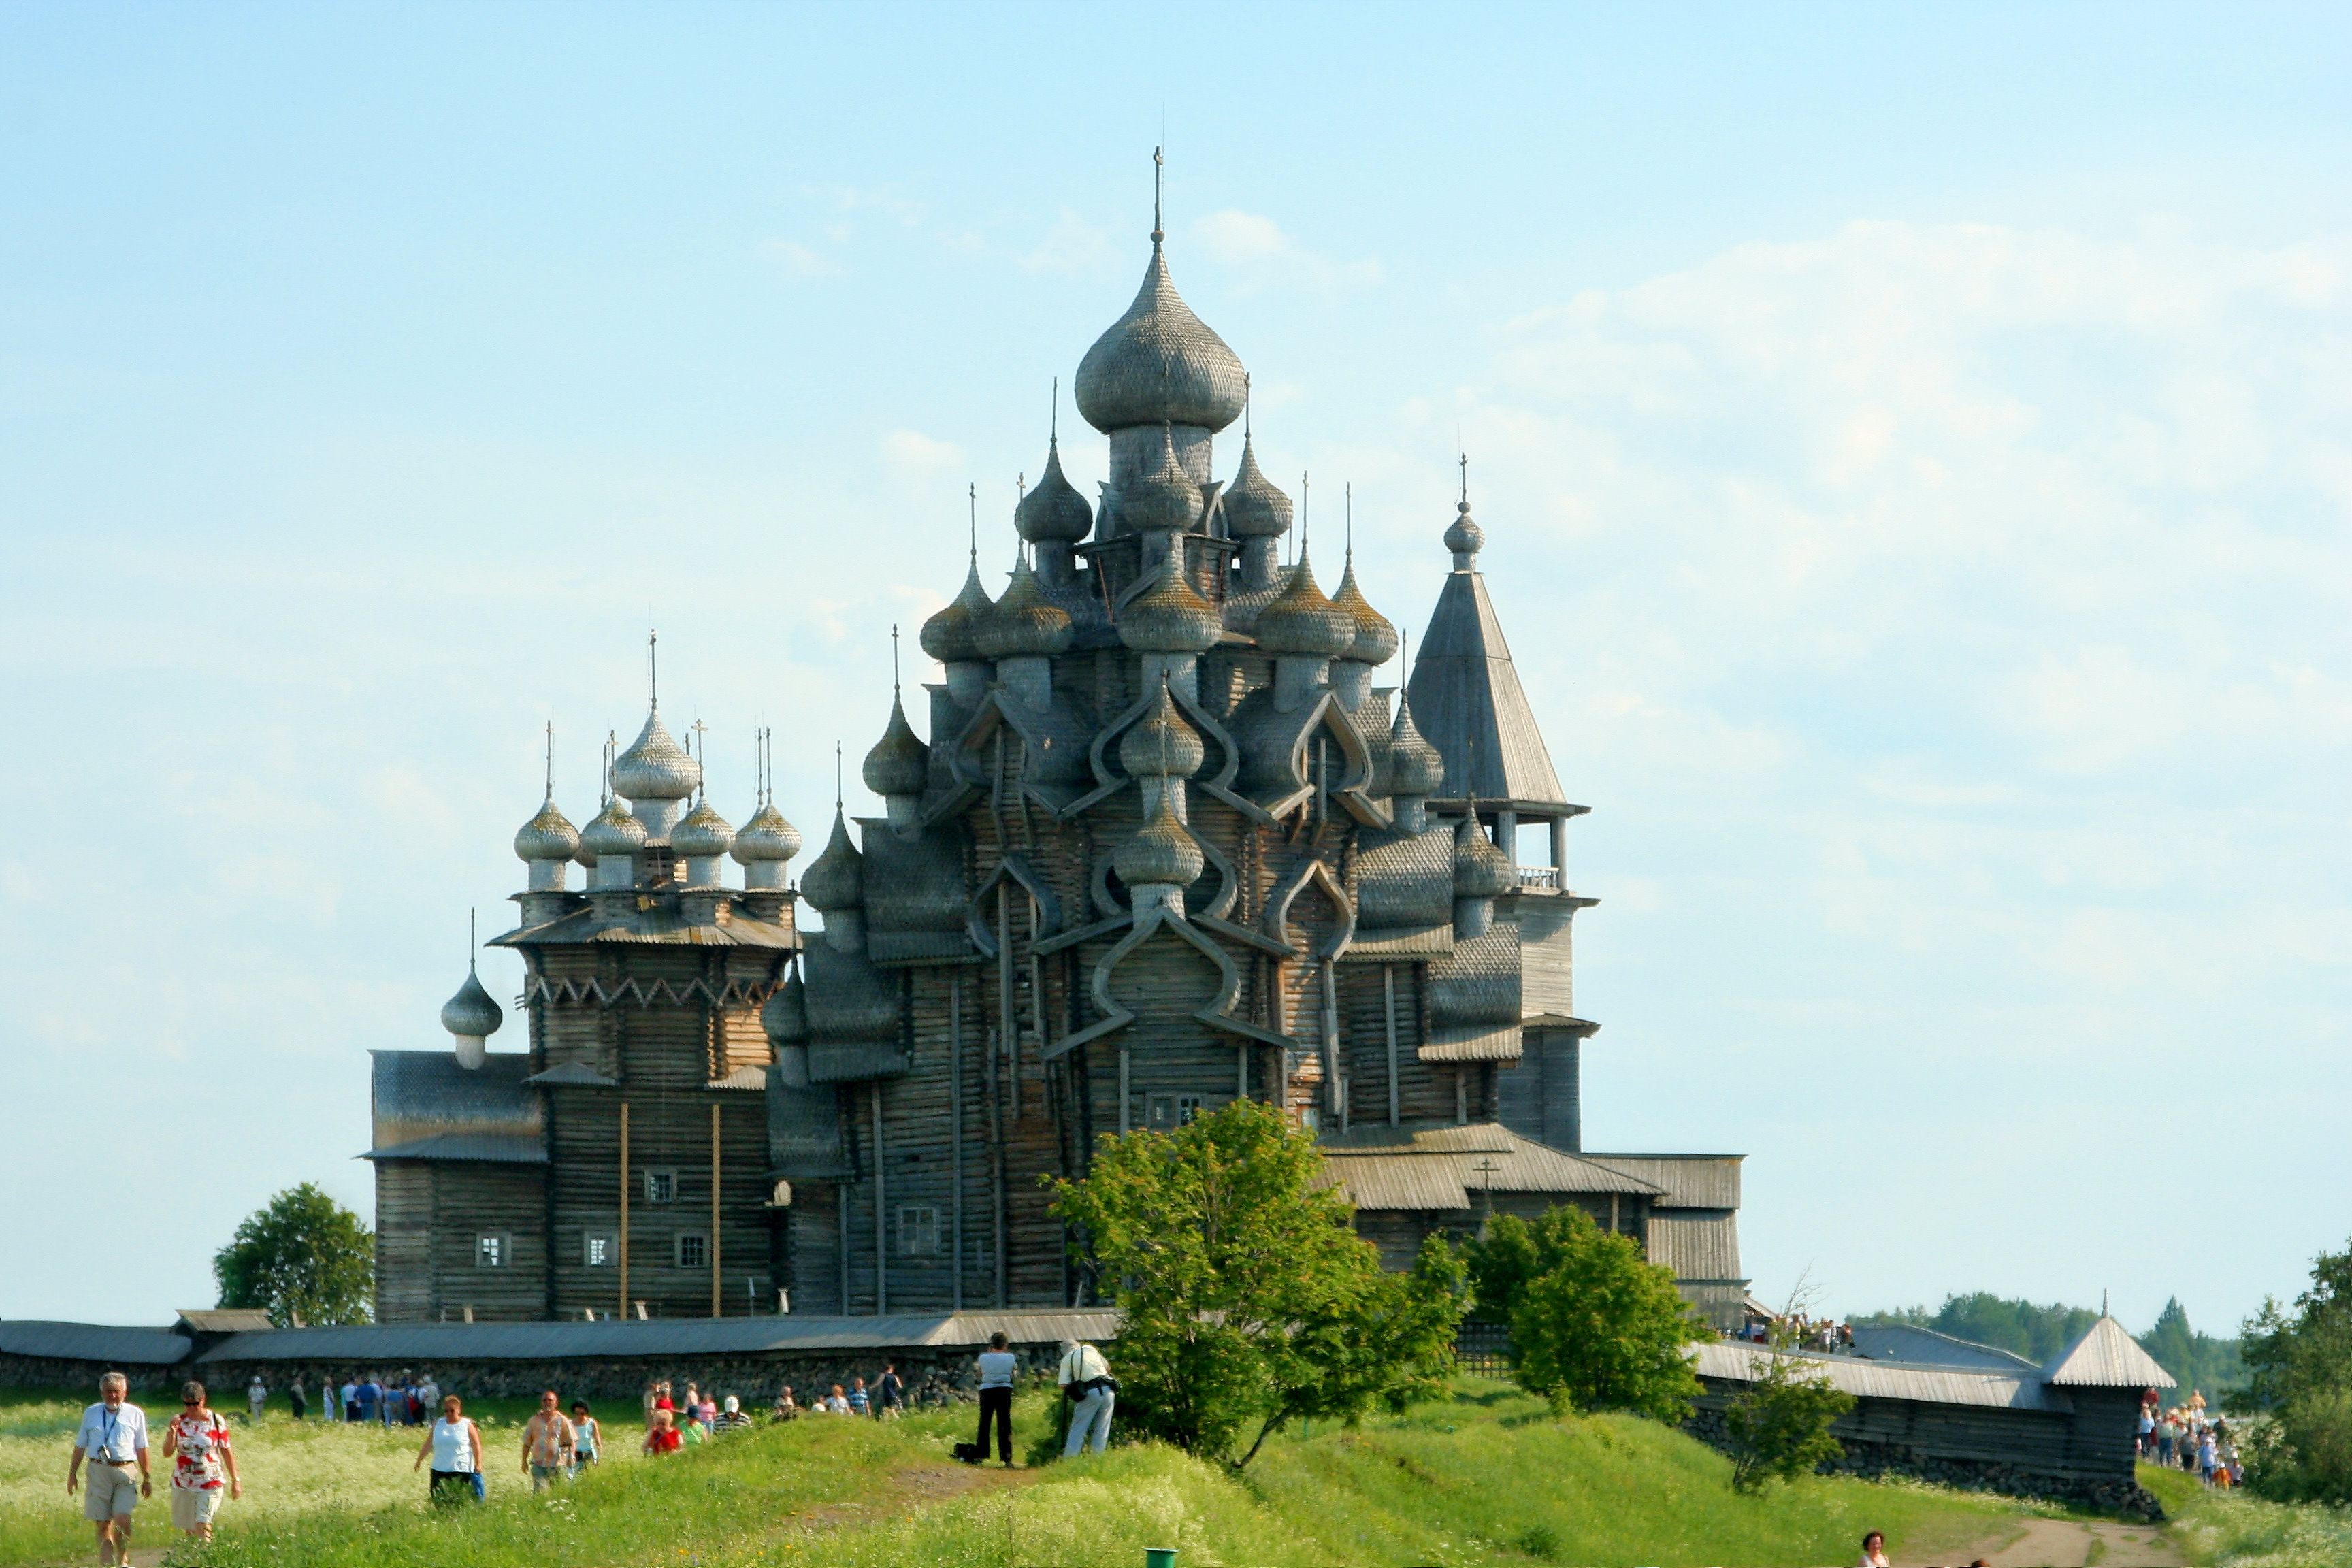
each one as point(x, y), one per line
point(1825, 1334)
point(367, 1397)
point(2185, 1438)
point(674, 1423)
point(113, 1441)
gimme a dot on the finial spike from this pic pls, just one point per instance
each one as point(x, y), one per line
point(1246, 432)
point(836, 778)
point(894, 658)
point(1351, 524)
point(474, 943)
point(550, 759)
point(653, 668)
point(1054, 421)
point(1464, 459)
point(971, 502)
point(1302, 513)
point(1158, 165)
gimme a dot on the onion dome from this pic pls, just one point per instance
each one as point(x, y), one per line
point(614, 832)
point(703, 836)
point(767, 836)
point(546, 836)
point(1465, 537)
point(947, 635)
point(1479, 870)
point(1161, 852)
point(655, 767)
point(898, 764)
point(470, 1014)
point(1170, 616)
point(1022, 626)
point(1254, 509)
point(1162, 745)
point(1054, 512)
point(1165, 498)
point(784, 1015)
point(1376, 640)
point(837, 880)
point(1415, 766)
point(1159, 363)
point(1302, 623)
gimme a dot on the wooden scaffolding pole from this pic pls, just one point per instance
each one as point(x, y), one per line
point(624, 1242)
point(716, 1307)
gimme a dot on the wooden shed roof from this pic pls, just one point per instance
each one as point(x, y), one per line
point(92, 1341)
point(617, 1339)
point(1437, 1168)
point(2106, 1357)
point(2021, 1390)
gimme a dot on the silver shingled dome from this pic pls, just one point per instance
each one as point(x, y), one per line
point(654, 767)
point(546, 836)
point(471, 1013)
point(1159, 363)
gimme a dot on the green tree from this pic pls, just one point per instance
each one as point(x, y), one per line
point(2300, 1362)
point(302, 1259)
point(1248, 1299)
point(1780, 1424)
point(1593, 1326)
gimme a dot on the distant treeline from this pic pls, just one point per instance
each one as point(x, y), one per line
point(2038, 1331)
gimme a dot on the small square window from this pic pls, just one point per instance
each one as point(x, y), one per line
point(599, 1249)
point(1167, 1113)
point(919, 1231)
point(661, 1187)
point(693, 1250)
point(493, 1251)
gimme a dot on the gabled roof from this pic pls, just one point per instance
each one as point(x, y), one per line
point(92, 1341)
point(424, 1098)
point(2106, 1357)
point(1439, 1168)
point(224, 1320)
point(1925, 1347)
point(1466, 699)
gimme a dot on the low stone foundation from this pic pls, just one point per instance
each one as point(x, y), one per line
point(1874, 1461)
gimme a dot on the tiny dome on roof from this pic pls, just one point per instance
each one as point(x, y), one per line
point(1465, 537)
point(836, 878)
point(1415, 766)
point(1254, 507)
point(1479, 870)
point(470, 1014)
point(1376, 640)
point(546, 836)
point(1160, 745)
point(1301, 622)
point(947, 636)
point(703, 836)
point(1023, 624)
point(1170, 616)
point(1161, 852)
point(784, 1015)
point(1054, 510)
point(767, 836)
point(655, 767)
point(899, 764)
point(613, 831)
point(1163, 497)
point(1159, 363)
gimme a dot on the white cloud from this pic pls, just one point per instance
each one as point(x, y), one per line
point(913, 455)
point(1251, 243)
point(794, 259)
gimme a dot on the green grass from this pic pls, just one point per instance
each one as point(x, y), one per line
point(1487, 1478)
point(2234, 1530)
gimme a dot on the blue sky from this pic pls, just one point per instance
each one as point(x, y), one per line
point(1915, 448)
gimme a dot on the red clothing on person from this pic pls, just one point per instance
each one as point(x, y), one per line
point(664, 1439)
point(200, 1440)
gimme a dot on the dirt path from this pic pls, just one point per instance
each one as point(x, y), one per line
point(2063, 1543)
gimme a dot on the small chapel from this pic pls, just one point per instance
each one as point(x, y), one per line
point(1163, 841)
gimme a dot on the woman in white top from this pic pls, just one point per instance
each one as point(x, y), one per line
point(1873, 1551)
point(455, 1447)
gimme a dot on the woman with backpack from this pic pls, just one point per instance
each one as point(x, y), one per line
point(1086, 1382)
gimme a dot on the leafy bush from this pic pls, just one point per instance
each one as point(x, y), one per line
point(1780, 1424)
point(1593, 1326)
point(2301, 1365)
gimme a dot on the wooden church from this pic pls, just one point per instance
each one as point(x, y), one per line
point(1165, 844)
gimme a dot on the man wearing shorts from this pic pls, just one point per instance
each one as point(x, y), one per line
point(113, 1437)
point(549, 1444)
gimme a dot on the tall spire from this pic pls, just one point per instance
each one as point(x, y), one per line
point(653, 670)
point(1159, 166)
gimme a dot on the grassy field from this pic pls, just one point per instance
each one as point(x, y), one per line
point(1488, 1478)
point(2230, 1530)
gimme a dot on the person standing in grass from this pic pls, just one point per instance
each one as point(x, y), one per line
point(257, 1399)
point(662, 1436)
point(455, 1447)
point(114, 1437)
point(350, 1392)
point(197, 1442)
point(1873, 1551)
point(787, 1410)
point(547, 1445)
point(997, 1366)
point(732, 1418)
point(587, 1437)
point(860, 1402)
point(890, 1394)
point(1086, 1379)
point(295, 1398)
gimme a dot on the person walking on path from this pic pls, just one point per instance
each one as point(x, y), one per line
point(455, 1446)
point(997, 1365)
point(548, 1445)
point(113, 1437)
point(1085, 1380)
point(197, 1441)
point(587, 1437)
point(890, 1393)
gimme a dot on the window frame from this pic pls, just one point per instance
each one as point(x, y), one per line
point(699, 1239)
point(498, 1246)
point(667, 1174)
point(612, 1244)
point(920, 1222)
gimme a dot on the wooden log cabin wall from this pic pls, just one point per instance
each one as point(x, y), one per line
point(1166, 844)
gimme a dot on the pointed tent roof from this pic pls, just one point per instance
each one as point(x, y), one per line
point(2106, 1357)
point(1467, 702)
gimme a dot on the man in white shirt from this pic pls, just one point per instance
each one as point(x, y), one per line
point(257, 1397)
point(1086, 1379)
point(113, 1437)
